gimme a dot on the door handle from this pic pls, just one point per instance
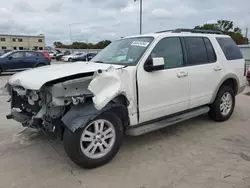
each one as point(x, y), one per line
point(217, 69)
point(182, 74)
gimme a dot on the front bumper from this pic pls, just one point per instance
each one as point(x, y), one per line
point(64, 59)
point(19, 116)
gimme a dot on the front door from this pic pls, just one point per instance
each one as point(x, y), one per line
point(14, 61)
point(164, 92)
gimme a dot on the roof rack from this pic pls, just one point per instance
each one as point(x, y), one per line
point(192, 31)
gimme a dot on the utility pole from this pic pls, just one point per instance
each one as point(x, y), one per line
point(140, 15)
point(246, 36)
point(70, 32)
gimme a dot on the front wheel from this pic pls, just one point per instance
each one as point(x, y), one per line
point(223, 105)
point(96, 143)
point(70, 60)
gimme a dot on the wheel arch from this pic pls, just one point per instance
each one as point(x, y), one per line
point(40, 64)
point(78, 116)
point(229, 80)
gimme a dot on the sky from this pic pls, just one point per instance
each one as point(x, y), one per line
point(95, 20)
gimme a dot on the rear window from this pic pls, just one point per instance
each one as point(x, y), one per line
point(230, 49)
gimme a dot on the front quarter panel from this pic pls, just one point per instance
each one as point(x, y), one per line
point(108, 84)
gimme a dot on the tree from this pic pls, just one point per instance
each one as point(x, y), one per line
point(58, 44)
point(227, 27)
point(83, 45)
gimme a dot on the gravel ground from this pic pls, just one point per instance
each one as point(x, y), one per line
point(194, 154)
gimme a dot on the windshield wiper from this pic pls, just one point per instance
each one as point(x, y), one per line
point(98, 61)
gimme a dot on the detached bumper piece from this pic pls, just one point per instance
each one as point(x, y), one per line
point(18, 116)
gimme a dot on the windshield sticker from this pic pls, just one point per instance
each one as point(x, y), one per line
point(140, 43)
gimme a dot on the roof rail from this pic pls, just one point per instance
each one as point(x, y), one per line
point(192, 31)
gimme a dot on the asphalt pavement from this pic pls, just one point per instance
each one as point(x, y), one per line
point(198, 153)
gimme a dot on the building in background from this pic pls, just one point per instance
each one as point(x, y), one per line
point(22, 42)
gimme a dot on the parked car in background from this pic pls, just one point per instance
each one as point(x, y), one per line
point(248, 75)
point(69, 58)
point(61, 54)
point(52, 55)
point(4, 52)
point(85, 57)
point(21, 60)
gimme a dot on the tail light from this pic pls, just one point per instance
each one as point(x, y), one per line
point(46, 55)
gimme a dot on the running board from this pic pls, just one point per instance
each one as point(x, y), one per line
point(143, 129)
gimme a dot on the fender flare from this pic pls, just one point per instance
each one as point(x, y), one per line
point(228, 76)
point(78, 116)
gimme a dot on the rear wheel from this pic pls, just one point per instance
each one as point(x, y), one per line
point(96, 143)
point(0, 70)
point(70, 60)
point(40, 65)
point(223, 105)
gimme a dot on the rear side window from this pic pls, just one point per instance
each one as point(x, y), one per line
point(210, 51)
point(31, 54)
point(230, 49)
point(196, 50)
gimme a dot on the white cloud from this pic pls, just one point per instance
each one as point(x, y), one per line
point(112, 19)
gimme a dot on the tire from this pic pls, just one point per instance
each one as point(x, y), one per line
point(70, 60)
point(218, 114)
point(40, 65)
point(1, 71)
point(77, 149)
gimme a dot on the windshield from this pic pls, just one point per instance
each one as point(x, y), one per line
point(5, 55)
point(125, 51)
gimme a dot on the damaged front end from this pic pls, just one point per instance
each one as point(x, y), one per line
point(44, 109)
point(73, 101)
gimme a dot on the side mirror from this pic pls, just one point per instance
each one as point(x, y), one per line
point(10, 57)
point(154, 64)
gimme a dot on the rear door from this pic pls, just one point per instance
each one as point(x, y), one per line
point(31, 60)
point(204, 67)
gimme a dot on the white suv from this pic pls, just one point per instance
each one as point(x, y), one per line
point(135, 85)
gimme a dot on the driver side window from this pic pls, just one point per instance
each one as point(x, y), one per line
point(171, 50)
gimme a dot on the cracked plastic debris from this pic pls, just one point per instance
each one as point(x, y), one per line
point(107, 85)
point(32, 97)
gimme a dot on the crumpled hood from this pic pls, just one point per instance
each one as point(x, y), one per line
point(34, 79)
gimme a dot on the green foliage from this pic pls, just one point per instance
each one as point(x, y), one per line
point(83, 45)
point(228, 28)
